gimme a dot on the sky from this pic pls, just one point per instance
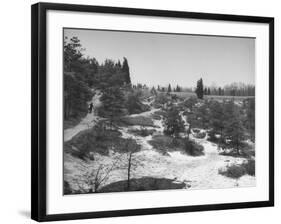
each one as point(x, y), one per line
point(172, 58)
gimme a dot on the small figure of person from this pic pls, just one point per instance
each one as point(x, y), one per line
point(91, 106)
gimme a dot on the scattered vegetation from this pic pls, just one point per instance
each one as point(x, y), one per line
point(229, 123)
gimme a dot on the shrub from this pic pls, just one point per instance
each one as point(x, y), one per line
point(166, 143)
point(192, 148)
point(233, 171)
point(197, 133)
point(161, 142)
point(137, 120)
point(161, 99)
point(134, 104)
point(97, 140)
point(250, 167)
point(212, 137)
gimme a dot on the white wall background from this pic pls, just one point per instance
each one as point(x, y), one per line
point(15, 110)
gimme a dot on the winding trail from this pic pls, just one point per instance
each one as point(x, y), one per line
point(87, 122)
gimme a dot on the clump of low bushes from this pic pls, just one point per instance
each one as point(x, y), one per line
point(137, 120)
point(97, 139)
point(192, 148)
point(197, 133)
point(233, 171)
point(250, 167)
point(236, 171)
point(165, 143)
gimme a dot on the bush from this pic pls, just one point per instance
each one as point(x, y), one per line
point(97, 140)
point(192, 148)
point(212, 137)
point(197, 133)
point(161, 142)
point(137, 120)
point(245, 151)
point(233, 171)
point(161, 99)
point(166, 143)
point(250, 167)
point(133, 103)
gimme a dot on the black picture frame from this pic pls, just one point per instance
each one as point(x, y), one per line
point(39, 122)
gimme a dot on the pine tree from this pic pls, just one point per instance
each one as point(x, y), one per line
point(178, 89)
point(126, 70)
point(113, 103)
point(169, 88)
point(153, 91)
point(220, 91)
point(250, 118)
point(205, 91)
point(209, 91)
point(173, 123)
point(216, 120)
point(200, 89)
point(234, 129)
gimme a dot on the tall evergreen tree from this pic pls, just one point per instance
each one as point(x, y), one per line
point(209, 91)
point(126, 70)
point(216, 120)
point(153, 91)
point(250, 118)
point(220, 91)
point(173, 123)
point(234, 129)
point(205, 91)
point(200, 89)
point(169, 88)
point(113, 103)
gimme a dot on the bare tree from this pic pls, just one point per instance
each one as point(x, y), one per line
point(91, 181)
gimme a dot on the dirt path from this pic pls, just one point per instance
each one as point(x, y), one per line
point(87, 122)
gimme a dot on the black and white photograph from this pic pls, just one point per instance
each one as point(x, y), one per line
point(149, 111)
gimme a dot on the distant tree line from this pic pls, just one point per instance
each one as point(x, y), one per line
point(233, 89)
